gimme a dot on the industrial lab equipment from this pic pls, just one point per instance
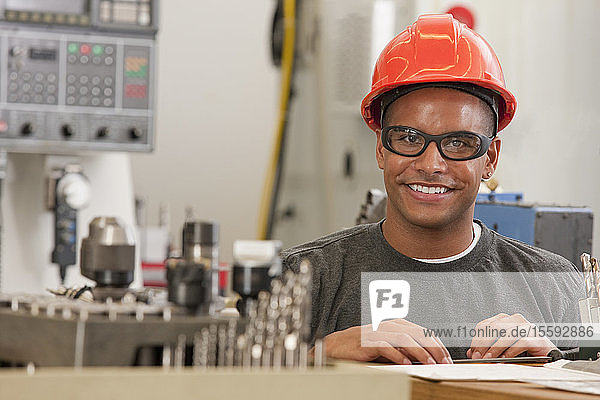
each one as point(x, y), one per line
point(141, 328)
point(76, 81)
point(77, 75)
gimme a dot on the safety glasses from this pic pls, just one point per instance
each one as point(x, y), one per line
point(457, 146)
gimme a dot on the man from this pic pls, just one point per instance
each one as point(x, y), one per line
point(438, 100)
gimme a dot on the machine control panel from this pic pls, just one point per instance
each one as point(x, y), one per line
point(84, 86)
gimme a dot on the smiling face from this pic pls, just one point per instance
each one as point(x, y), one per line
point(430, 191)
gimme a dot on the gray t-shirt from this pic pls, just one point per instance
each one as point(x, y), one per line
point(542, 286)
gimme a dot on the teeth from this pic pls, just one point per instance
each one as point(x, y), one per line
point(428, 189)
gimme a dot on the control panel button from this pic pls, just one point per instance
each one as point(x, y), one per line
point(95, 101)
point(108, 81)
point(71, 78)
point(51, 78)
point(109, 50)
point(96, 80)
point(72, 48)
point(108, 60)
point(83, 79)
point(26, 76)
point(72, 58)
point(84, 59)
point(84, 49)
point(97, 49)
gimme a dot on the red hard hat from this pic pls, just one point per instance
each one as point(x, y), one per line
point(437, 48)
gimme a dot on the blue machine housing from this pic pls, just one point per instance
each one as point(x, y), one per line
point(563, 230)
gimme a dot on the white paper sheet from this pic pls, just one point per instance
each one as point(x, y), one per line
point(571, 386)
point(489, 372)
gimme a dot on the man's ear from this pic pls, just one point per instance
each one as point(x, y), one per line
point(379, 149)
point(493, 154)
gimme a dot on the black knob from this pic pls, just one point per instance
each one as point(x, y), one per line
point(103, 132)
point(135, 133)
point(67, 130)
point(27, 129)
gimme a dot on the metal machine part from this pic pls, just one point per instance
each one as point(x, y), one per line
point(55, 331)
point(77, 75)
point(59, 331)
point(201, 243)
point(373, 209)
point(256, 263)
point(108, 256)
point(193, 281)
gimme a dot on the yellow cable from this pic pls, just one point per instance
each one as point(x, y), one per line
point(287, 61)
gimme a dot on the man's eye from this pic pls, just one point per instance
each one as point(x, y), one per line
point(458, 143)
point(412, 138)
point(406, 137)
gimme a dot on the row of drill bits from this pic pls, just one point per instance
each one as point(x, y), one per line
point(591, 275)
point(277, 333)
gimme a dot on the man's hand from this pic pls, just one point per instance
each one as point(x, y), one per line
point(398, 341)
point(509, 345)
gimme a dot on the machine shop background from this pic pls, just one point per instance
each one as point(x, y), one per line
point(217, 105)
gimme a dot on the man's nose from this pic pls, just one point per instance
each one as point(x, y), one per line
point(431, 161)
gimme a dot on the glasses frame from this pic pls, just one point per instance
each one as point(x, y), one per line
point(437, 139)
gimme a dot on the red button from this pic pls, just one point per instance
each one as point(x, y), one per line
point(84, 49)
point(135, 91)
point(3, 126)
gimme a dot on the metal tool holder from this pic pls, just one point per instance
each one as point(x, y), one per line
point(58, 331)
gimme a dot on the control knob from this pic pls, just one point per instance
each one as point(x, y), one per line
point(135, 133)
point(27, 129)
point(103, 132)
point(67, 130)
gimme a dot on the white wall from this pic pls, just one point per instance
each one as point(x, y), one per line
point(216, 112)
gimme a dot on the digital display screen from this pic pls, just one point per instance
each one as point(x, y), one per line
point(42, 54)
point(46, 6)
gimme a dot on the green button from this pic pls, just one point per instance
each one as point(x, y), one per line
point(72, 48)
point(97, 49)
